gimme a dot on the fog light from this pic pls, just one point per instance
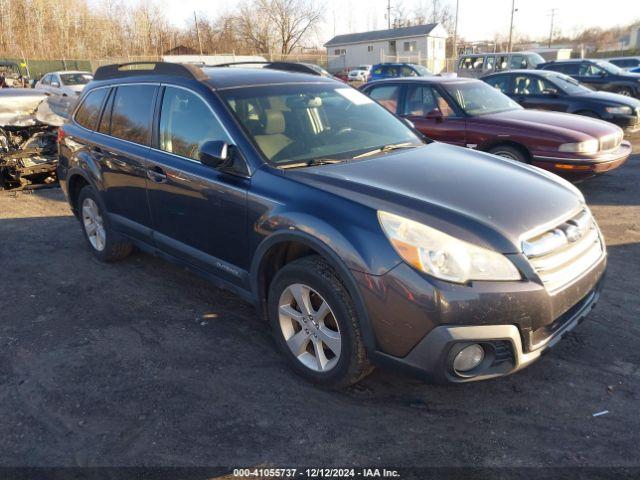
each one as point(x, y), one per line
point(468, 358)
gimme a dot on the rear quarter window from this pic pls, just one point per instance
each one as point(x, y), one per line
point(89, 111)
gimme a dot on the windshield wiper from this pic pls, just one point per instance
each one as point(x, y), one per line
point(387, 148)
point(314, 162)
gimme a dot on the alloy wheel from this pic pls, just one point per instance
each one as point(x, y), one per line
point(309, 327)
point(93, 224)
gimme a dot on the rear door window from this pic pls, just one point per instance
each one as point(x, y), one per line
point(478, 64)
point(88, 113)
point(387, 95)
point(132, 112)
point(502, 62)
point(489, 63)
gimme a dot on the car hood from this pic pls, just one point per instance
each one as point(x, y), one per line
point(631, 75)
point(562, 124)
point(608, 97)
point(484, 199)
point(23, 107)
point(74, 88)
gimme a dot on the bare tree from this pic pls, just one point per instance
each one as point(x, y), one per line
point(292, 20)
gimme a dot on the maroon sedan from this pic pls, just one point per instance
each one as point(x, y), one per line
point(470, 113)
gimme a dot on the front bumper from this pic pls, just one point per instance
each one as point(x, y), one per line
point(505, 351)
point(583, 167)
point(418, 321)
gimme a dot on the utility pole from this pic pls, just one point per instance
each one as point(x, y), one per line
point(553, 14)
point(389, 14)
point(513, 10)
point(195, 19)
point(455, 32)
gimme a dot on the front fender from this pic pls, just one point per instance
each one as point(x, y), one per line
point(331, 256)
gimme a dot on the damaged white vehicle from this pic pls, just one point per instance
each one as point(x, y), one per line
point(29, 122)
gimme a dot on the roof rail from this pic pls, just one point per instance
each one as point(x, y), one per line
point(124, 70)
point(274, 65)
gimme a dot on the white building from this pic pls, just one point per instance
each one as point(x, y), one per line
point(424, 44)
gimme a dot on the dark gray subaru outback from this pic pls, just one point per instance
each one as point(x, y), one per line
point(358, 240)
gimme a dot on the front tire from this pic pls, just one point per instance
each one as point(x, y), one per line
point(624, 91)
point(587, 113)
point(315, 324)
point(105, 244)
point(512, 153)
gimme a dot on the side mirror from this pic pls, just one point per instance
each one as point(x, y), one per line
point(435, 114)
point(55, 84)
point(603, 73)
point(551, 92)
point(215, 154)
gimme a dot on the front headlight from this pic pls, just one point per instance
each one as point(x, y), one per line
point(443, 256)
point(588, 146)
point(624, 110)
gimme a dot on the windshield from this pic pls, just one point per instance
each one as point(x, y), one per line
point(610, 67)
point(75, 78)
point(535, 59)
point(568, 84)
point(424, 71)
point(301, 123)
point(478, 98)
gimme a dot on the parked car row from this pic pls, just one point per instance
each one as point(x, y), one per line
point(359, 240)
point(470, 113)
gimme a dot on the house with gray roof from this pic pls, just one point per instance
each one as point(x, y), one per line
point(424, 44)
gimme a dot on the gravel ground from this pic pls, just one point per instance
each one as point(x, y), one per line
point(143, 363)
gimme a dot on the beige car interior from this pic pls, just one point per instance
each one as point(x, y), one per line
point(272, 139)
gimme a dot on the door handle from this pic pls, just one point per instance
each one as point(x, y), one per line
point(97, 149)
point(156, 174)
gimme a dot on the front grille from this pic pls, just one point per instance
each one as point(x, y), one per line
point(611, 142)
point(566, 252)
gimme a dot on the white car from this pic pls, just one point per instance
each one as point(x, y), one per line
point(66, 83)
point(358, 75)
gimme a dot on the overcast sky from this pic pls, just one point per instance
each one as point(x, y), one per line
point(478, 19)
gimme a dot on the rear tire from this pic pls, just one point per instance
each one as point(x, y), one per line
point(512, 153)
point(315, 324)
point(106, 245)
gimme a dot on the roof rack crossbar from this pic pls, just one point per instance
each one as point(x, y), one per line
point(124, 70)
